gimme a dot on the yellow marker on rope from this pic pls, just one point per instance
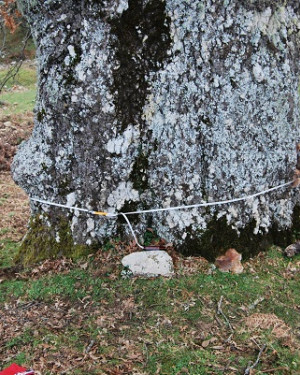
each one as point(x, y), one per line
point(101, 213)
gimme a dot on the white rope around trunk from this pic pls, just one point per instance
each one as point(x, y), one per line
point(153, 210)
point(206, 204)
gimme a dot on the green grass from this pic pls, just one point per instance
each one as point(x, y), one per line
point(8, 250)
point(19, 101)
point(20, 340)
point(75, 285)
point(26, 77)
point(12, 289)
point(173, 359)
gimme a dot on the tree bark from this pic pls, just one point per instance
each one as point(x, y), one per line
point(149, 103)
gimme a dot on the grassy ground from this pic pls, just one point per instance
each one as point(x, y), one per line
point(22, 101)
point(18, 96)
point(16, 117)
point(26, 76)
point(82, 317)
point(14, 44)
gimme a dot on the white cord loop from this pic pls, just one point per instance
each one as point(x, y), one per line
point(132, 231)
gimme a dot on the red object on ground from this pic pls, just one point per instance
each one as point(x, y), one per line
point(154, 247)
point(15, 369)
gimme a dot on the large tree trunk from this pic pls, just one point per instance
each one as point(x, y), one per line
point(150, 103)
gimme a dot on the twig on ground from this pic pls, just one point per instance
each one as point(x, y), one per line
point(226, 368)
point(218, 321)
point(146, 355)
point(274, 369)
point(89, 347)
point(220, 312)
point(255, 303)
point(228, 339)
point(251, 367)
point(28, 305)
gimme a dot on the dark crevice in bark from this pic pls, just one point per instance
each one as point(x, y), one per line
point(141, 40)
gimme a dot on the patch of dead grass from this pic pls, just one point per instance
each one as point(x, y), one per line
point(278, 328)
point(14, 205)
point(13, 130)
point(268, 321)
point(14, 208)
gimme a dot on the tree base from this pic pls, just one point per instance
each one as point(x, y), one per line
point(220, 236)
point(45, 241)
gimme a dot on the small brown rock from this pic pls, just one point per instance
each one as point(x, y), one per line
point(292, 249)
point(230, 261)
point(296, 178)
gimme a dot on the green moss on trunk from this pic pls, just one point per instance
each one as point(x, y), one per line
point(45, 241)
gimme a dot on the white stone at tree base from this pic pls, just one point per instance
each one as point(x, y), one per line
point(149, 263)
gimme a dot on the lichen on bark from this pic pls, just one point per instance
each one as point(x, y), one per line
point(154, 103)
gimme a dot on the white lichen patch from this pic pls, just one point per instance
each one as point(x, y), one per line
point(258, 73)
point(120, 144)
point(229, 133)
point(124, 192)
point(57, 238)
point(72, 52)
point(90, 225)
point(71, 199)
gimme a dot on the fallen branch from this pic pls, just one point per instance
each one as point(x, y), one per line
point(251, 367)
point(220, 312)
point(228, 340)
point(218, 321)
point(89, 347)
point(274, 369)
